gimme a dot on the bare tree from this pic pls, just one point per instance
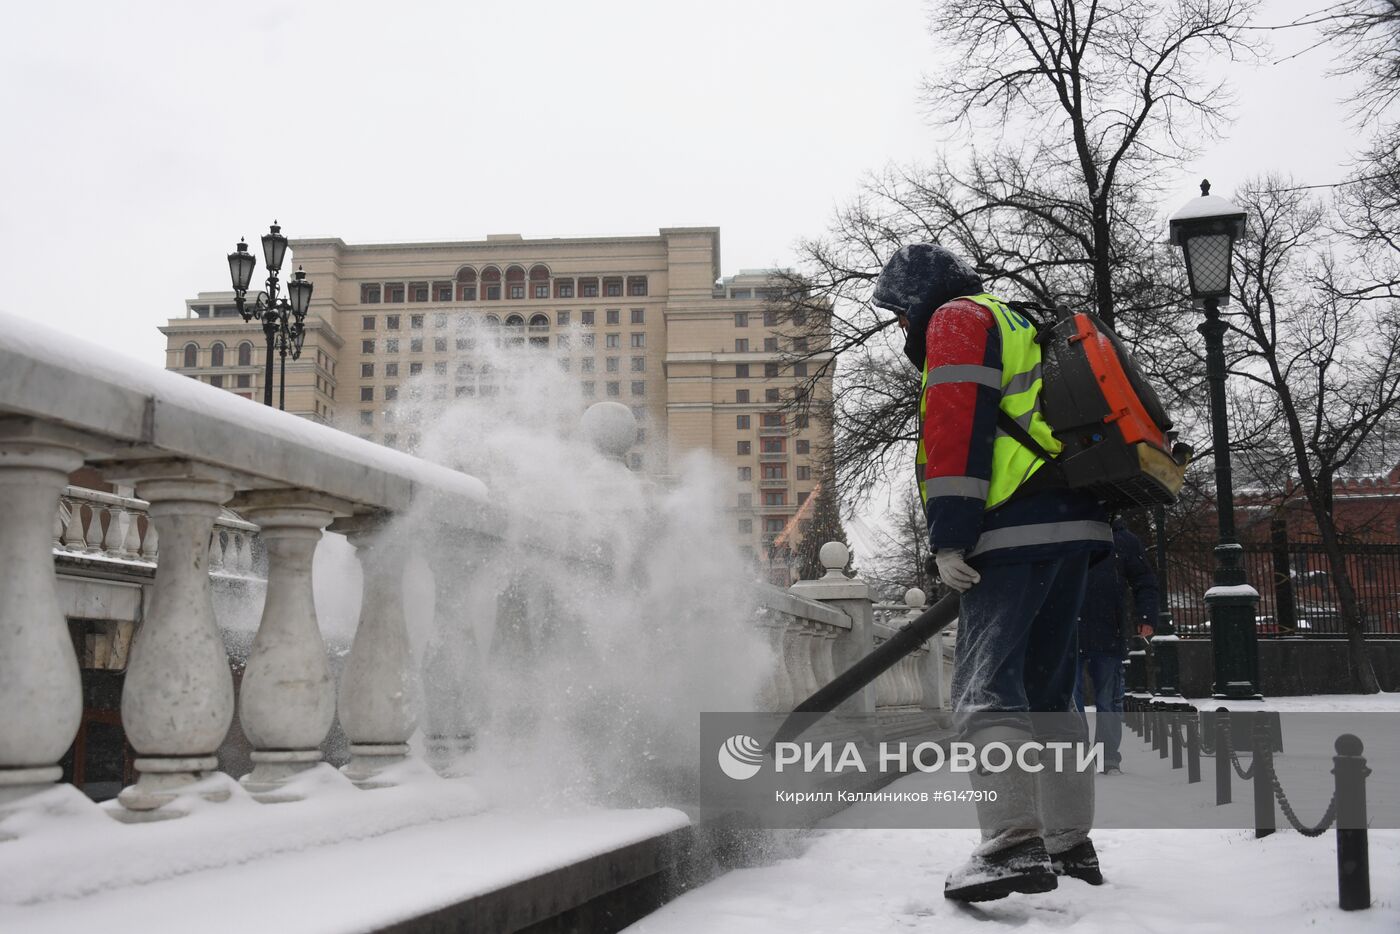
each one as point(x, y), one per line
point(1070, 111)
point(901, 555)
point(1322, 367)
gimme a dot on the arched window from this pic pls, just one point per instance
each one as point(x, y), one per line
point(515, 331)
point(539, 281)
point(245, 354)
point(515, 282)
point(491, 322)
point(491, 284)
point(466, 284)
point(191, 355)
point(539, 323)
point(216, 354)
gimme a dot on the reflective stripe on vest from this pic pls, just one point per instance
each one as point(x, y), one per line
point(1019, 381)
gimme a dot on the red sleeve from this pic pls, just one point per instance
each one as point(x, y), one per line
point(961, 399)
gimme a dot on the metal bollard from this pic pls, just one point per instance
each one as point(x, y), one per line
point(1161, 736)
point(1222, 756)
point(1175, 734)
point(1264, 817)
point(1193, 748)
point(1353, 857)
point(1147, 721)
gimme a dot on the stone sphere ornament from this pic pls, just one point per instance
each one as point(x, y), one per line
point(611, 428)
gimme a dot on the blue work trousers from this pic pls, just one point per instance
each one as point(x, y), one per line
point(1105, 670)
point(1017, 647)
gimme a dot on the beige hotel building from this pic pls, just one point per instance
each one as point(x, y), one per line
point(646, 321)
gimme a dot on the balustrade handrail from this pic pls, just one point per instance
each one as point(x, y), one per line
point(781, 601)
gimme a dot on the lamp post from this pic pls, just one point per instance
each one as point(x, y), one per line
point(283, 319)
point(1206, 229)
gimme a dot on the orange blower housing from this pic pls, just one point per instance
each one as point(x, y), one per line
point(1108, 417)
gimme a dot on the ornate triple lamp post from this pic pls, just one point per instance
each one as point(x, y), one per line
point(283, 319)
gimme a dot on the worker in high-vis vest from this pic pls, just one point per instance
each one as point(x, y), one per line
point(1008, 534)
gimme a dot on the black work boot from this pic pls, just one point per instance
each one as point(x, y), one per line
point(1079, 862)
point(1022, 867)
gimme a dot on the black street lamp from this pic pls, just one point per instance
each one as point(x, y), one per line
point(283, 319)
point(1206, 230)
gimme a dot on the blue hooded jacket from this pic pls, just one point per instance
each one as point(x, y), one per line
point(1106, 597)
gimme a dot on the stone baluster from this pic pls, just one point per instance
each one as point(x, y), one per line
point(798, 658)
point(245, 553)
point(60, 519)
point(884, 683)
point(852, 597)
point(93, 535)
point(216, 551)
point(40, 690)
point(177, 700)
point(451, 676)
point(376, 704)
point(131, 544)
point(777, 695)
point(150, 545)
point(73, 539)
point(116, 532)
point(822, 635)
point(287, 700)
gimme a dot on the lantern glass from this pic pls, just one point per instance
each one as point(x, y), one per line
point(274, 248)
point(240, 267)
point(1208, 263)
point(299, 292)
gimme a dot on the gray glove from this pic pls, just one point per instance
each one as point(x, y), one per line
point(954, 571)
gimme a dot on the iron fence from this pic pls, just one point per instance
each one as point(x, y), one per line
point(1297, 598)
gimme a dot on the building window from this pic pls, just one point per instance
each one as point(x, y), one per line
point(391, 393)
point(442, 291)
point(741, 345)
point(613, 341)
point(799, 369)
point(366, 370)
point(745, 499)
point(741, 319)
point(770, 395)
point(612, 364)
point(612, 288)
point(465, 343)
point(804, 447)
point(636, 285)
point(589, 340)
point(773, 498)
point(415, 345)
point(418, 292)
point(746, 526)
point(245, 354)
point(773, 471)
point(772, 420)
point(216, 354)
point(770, 319)
point(770, 345)
point(369, 293)
point(217, 381)
point(440, 368)
point(367, 346)
point(586, 317)
point(191, 355)
point(639, 340)
point(745, 473)
point(393, 293)
point(391, 369)
point(440, 345)
point(614, 389)
point(564, 288)
point(391, 322)
point(561, 318)
point(804, 472)
point(440, 321)
point(639, 388)
point(367, 323)
point(542, 290)
point(415, 368)
point(639, 316)
point(614, 315)
point(588, 288)
point(466, 293)
point(493, 293)
point(802, 497)
point(588, 387)
point(772, 445)
point(741, 396)
point(517, 291)
point(639, 364)
point(772, 525)
point(770, 370)
point(586, 365)
point(741, 422)
point(745, 448)
point(415, 322)
point(366, 393)
point(799, 344)
point(366, 416)
point(391, 345)
point(741, 371)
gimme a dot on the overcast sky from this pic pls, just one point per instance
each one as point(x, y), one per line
point(142, 139)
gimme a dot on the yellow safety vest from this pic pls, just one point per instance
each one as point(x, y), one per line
point(1019, 382)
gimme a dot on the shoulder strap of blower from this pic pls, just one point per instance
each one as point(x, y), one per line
point(1032, 312)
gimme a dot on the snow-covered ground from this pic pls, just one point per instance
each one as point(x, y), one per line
point(343, 861)
point(865, 881)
